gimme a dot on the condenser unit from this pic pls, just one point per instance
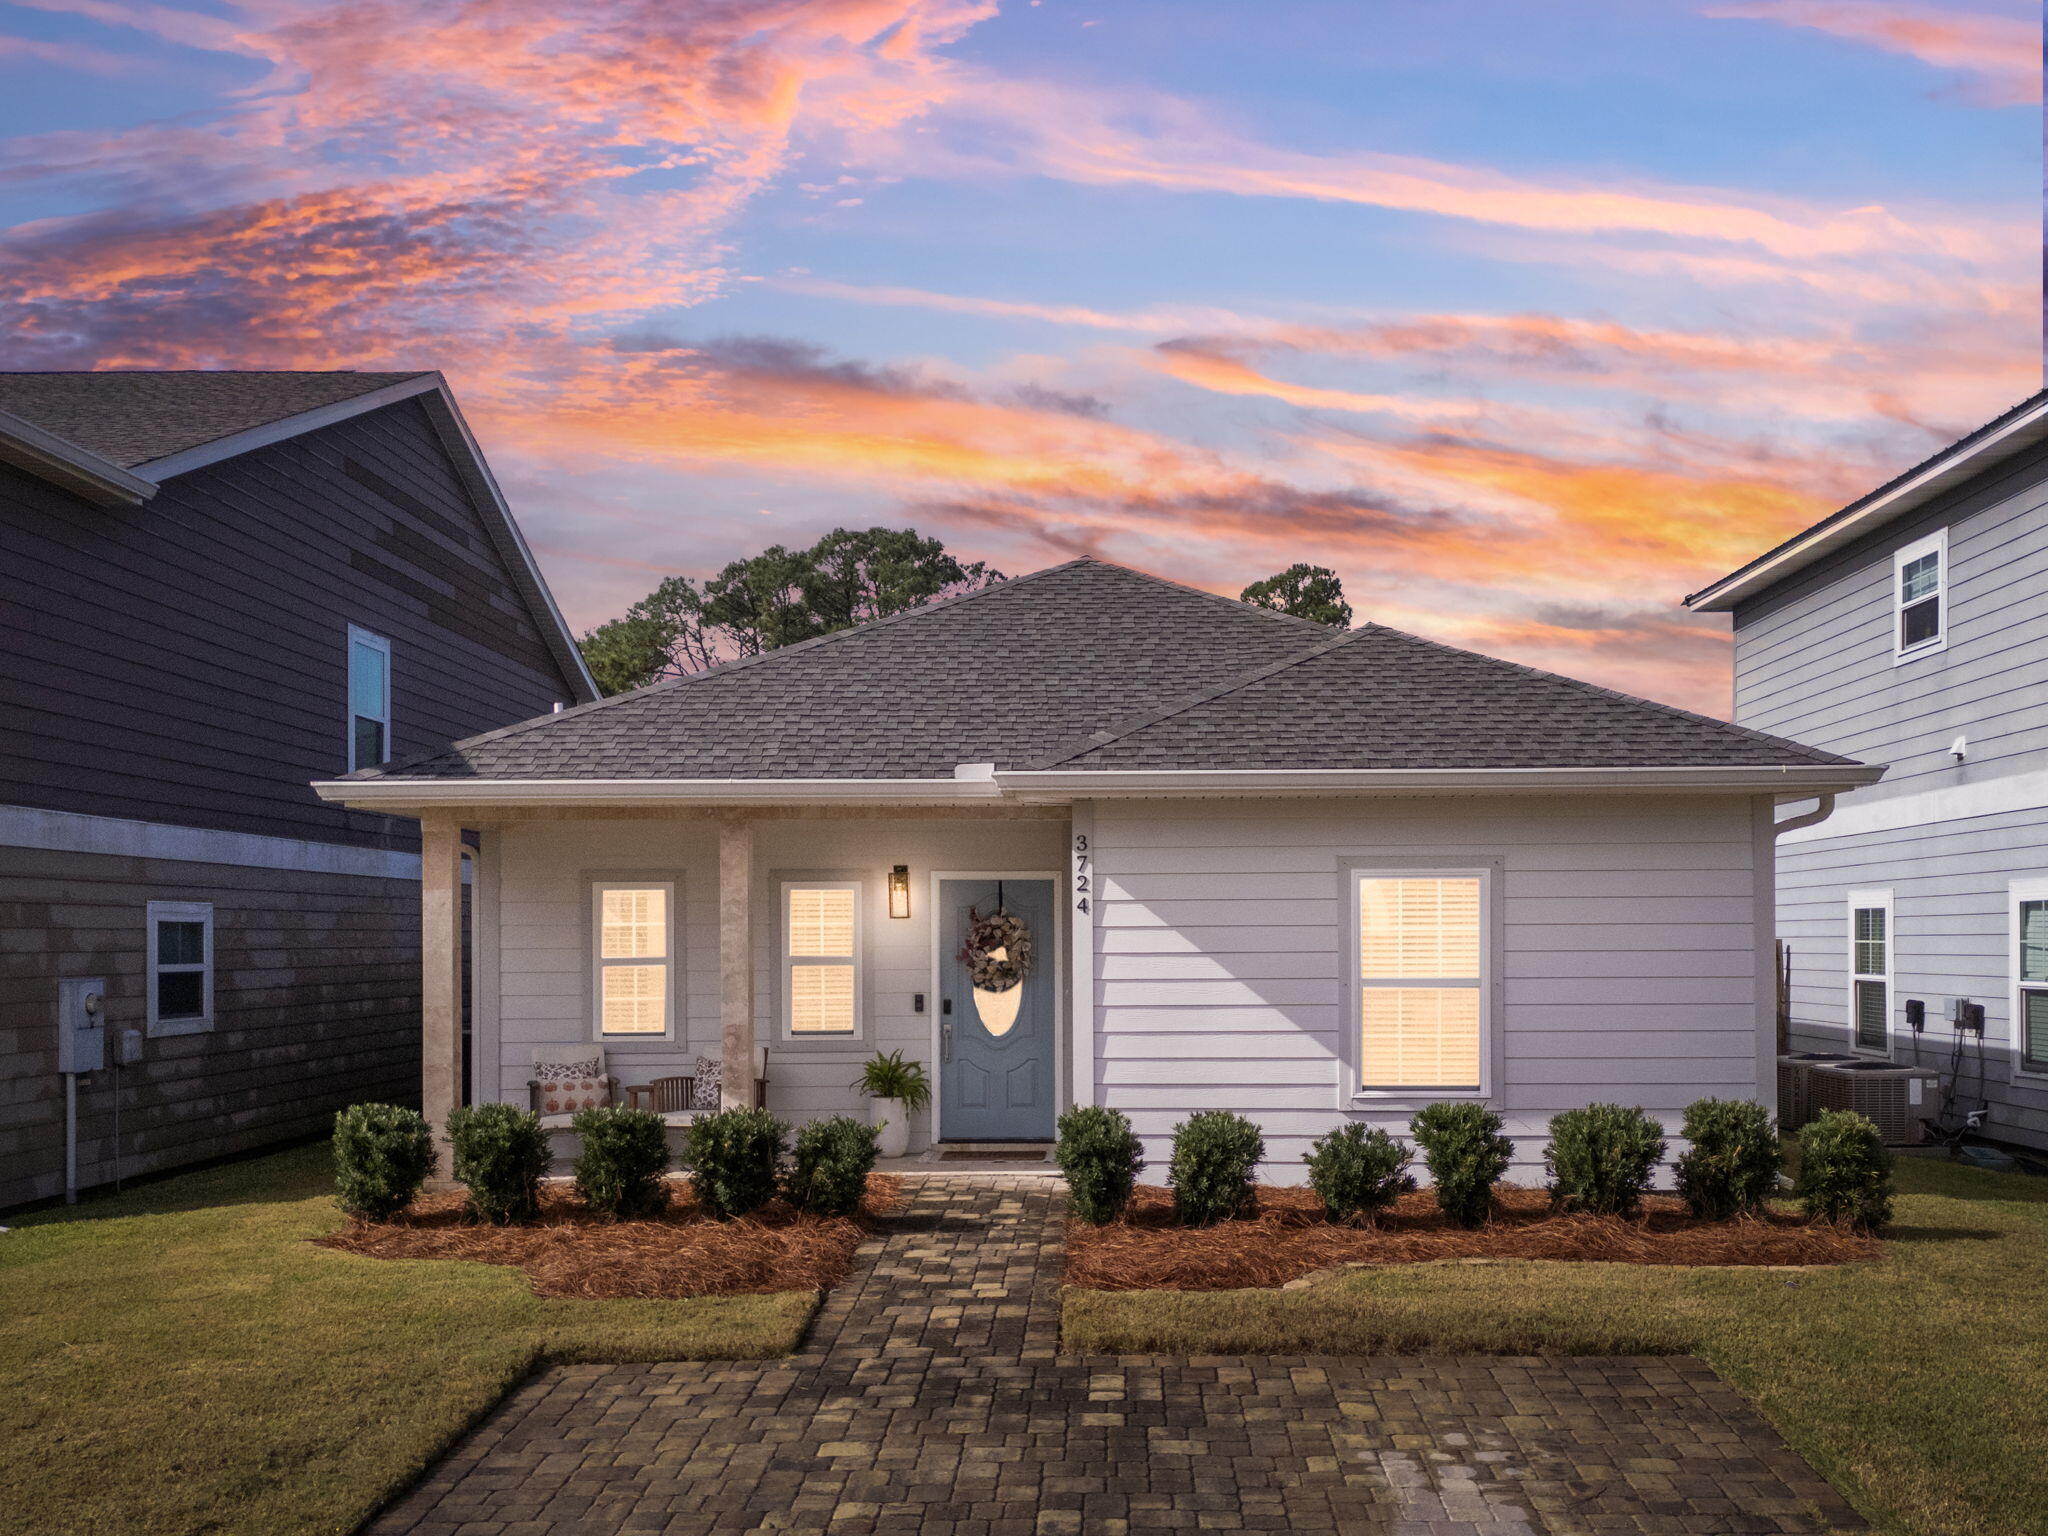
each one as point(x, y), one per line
point(1897, 1098)
point(1794, 1087)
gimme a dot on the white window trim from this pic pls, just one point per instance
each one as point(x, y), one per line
point(598, 886)
point(1877, 899)
point(1363, 1096)
point(179, 912)
point(785, 962)
point(358, 636)
point(2017, 892)
point(1936, 544)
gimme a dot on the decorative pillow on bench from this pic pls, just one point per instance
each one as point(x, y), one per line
point(563, 1087)
point(704, 1093)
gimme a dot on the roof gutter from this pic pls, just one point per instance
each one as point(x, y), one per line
point(2027, 427)
point(49, 457)
point(388, 794)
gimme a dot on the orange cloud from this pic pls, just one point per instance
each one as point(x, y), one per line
point(2002, 52)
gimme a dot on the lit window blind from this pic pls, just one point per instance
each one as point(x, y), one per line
point(633, 960)
point(1419, 981)
point(820, 959)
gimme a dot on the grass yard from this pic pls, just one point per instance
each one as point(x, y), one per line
point(180, 1360)
point(1918, 1383)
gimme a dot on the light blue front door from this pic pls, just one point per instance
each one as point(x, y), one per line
point(995, 1070)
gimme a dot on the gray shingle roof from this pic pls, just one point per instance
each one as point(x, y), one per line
point(1023, 674)
point(131, 416)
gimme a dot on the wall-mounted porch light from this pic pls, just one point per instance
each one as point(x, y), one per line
point(899, 891)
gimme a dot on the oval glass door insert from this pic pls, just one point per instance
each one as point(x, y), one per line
point(998, 1010)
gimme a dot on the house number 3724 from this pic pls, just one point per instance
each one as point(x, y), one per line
point(1081, 877)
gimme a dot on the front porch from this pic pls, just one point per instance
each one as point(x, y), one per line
point(804, 939)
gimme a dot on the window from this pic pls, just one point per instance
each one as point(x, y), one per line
point(1920, 597)
point(1870, 970)
point(633, 942)
point(2030, 975)
point(369, 699)
point(180, 967)
point(821, 958)
point(1421, 983)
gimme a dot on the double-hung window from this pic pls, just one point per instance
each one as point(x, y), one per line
point(1920, 597)
point(180, 967)
point(821, 959)
point(2030, 966)
point(1422, 987)
point(633, 942)
point(369, 699)
point(1870, 970)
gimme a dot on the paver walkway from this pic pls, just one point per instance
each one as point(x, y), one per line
point(931, 1400)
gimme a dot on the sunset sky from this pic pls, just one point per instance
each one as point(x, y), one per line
point(1528, 318)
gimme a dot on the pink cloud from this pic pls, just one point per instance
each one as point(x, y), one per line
point(2002, 53)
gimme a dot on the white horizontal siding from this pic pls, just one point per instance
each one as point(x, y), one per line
point(1629, 970)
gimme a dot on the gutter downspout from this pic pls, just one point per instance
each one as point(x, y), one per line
point(1821, 812)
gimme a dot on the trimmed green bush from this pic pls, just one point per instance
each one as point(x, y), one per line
point(1731, 1166)
point(828, 1172)
point(500, 1154)
point(1357, 1172)
point(733, 1157)
point(1601, 1158)
point(1101, 1157)
point(1215, 1154)
point(1845, 1173)
point(382, 1155)
point(1466, 1154)
point(625, 1154)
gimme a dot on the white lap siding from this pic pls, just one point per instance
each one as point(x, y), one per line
point(1628, 966)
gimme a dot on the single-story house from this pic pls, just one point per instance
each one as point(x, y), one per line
point(1092, 837)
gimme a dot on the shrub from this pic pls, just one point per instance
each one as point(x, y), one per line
point(829, 1173)
point(625, 1154)
point(1358, 1172)
point(1731, 1166)
point(1214, 1156)
point(733, 1156)
point(500, 1154)
point(382, 1155)
point(1845, 1173)
point(1101, 1157)
point(1466, 1154)
point(1601, 1158)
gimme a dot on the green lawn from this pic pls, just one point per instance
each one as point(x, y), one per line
point(179, 1360)
point(1919, 1384)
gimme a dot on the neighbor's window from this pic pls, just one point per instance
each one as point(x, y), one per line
point(180, 967)
point(369, 699)
point(1920, 585)
point(1870, 983)
point(821, 958)
point(2032, 956)
point(633, 941)
point(1422, 1002)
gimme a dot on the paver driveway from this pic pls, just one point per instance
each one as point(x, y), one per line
point(931, 1400)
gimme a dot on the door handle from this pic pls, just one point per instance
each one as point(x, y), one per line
point(945, 1040)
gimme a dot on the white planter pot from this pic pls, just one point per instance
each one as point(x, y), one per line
point(892, 1118)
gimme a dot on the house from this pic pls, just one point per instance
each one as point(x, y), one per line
point(1257, 865)
point(217, 587)
point(1911, 628)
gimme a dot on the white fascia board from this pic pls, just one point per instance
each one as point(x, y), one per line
point(2015, 436)
point(63, 463)
point(1352, 781)
point(188, 459)
point(380, 794)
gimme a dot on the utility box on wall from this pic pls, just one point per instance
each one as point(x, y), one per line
point(81, 1023)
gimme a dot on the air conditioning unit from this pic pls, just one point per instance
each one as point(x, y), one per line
point(1795, 1106)
point(1897, 1098)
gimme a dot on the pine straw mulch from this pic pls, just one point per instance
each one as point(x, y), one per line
point(1289, 1239)
point(569, 1252)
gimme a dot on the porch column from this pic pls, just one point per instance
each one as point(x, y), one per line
point(736, 959)
point(440, 979)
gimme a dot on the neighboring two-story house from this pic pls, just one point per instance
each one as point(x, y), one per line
point(1911, 628)
point(215, 588)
